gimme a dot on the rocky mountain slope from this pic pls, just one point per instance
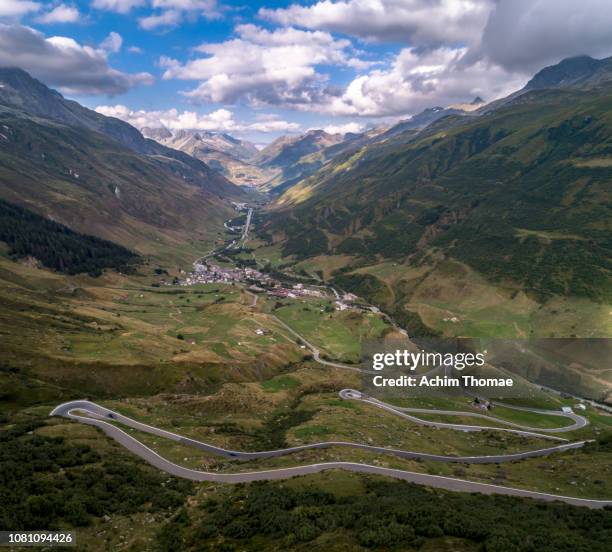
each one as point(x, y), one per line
point(194, 140)
point(295, 157)
point(576, 72)
point(228, 155)
point(99, 175)
point(275, 168)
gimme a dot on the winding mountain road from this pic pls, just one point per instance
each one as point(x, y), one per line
point(579, 421)
point(96, 413)
point(316, 353)
point(104, 419)
point(101, 417)
point(526, 431)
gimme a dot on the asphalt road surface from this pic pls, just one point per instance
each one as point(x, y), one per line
point(98, 416)
point(316, 353)
point(98, 413)
point(579, 421)
point(247, 224)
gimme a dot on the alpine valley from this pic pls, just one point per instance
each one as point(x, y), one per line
point(491, 222)
point(187, 318)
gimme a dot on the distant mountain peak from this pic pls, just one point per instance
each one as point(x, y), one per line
point(287, 150)
point(23, 93)
point(18, 78)
point(192, 140)
point(424, 118)
point(573, 72)
point(158, 134)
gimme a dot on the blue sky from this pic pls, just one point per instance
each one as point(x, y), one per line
point(261, 69)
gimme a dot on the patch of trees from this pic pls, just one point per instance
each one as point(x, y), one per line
point(395, 236)
point(557, 267)
point(412, 323)
point(601, 444)
point(389, 515)
point(306, 244)
point(352, 246)
point(431, 216)
point(240, 220)
point(364, 285)
point(46, 483)
point(266, 237)
point(272, 435)
point(243, 263)
point(56, 246)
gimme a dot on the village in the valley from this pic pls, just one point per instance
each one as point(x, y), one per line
point(207, 272)
point(259, 282)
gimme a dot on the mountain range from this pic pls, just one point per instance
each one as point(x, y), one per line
point(282, 162)
point(100, 175)
point(511, 197)
point(231, 157)
point(516, 194)
point(288, 159)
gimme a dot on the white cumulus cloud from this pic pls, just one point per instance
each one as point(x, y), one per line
point(417, 22)
point(272, 125)
point(64, 63)
point(168, 18)
point(344, 128)
point(174, 12)
point(263, 67)
point(60, 14)
point(203, 6)
point(112, 43)
point(17, 8)
point(418, 80)
point(220, 120)
point(118, 6)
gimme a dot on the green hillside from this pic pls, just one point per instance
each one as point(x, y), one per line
point(104, 179)
point(519, 195)
point(93, 185)
point(56, 246)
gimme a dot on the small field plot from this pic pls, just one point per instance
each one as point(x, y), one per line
point(338, 333)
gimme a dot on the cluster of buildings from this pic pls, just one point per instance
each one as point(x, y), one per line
point(569, 410)
point(212, 273)
point(258, 282)
point(297, 290)
point(345, 301)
